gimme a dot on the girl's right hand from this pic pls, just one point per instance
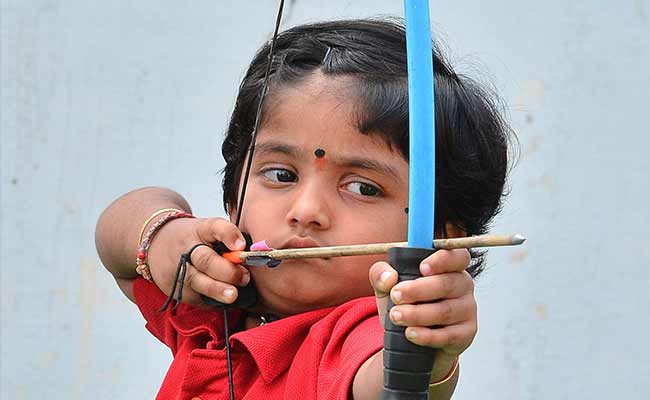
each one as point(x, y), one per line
point(208, 273)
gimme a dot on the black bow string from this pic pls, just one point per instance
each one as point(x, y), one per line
point(181, 270)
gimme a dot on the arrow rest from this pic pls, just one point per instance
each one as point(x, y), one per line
point(247, 295)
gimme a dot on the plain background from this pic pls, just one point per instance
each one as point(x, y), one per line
point(100, 97)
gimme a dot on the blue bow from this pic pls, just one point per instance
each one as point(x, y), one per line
point(421, 124)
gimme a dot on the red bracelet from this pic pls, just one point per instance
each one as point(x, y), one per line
point(141, 267)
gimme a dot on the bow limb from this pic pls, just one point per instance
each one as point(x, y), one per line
point(407, 367)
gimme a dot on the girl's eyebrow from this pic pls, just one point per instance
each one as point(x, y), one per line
point(274, 147)
point(367, 164)
point(278, 147)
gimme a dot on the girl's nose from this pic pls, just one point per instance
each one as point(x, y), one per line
point(309, 208)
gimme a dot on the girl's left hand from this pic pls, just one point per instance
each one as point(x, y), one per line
point(445, 299)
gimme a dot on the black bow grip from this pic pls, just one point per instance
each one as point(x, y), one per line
point(407, 366)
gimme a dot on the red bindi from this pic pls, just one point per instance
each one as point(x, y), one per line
point(320, 160)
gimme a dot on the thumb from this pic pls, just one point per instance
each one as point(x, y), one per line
point(382, 278)
point(214, 230)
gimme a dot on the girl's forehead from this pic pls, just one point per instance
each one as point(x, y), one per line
point(319, 113)
point(311, 114)
point(332, 144)
point(310, 137)
point(317, 95)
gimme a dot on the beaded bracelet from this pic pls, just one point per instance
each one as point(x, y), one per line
point(151, 217)
point(142, 268)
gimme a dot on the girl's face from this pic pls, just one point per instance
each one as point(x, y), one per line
point(356, 193)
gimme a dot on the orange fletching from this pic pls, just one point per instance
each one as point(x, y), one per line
point(233, 256)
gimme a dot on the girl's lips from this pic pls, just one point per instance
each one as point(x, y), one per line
point(299, 243)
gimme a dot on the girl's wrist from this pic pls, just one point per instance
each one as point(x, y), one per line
point(151, 218)
point(150, 229)
point(444, 367)
point(173, 239)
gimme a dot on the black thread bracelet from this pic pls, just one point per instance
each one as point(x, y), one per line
point(179, 278)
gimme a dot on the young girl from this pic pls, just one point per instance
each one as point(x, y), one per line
point(330, 168)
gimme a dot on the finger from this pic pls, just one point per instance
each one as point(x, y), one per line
point(445, 261)
point(213, 230)
point(216, 267)
point(217, 290)
point(442, 286)
point(455, 337)
point(382, 278)
point(447, 312)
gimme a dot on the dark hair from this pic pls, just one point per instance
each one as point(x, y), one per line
point(471, 136)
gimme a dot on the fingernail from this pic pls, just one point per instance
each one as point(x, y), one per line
point(411, 334)
point(240, 244)
point(228, 293)
point(397, 296)
point(245, 279)
point(396, 316)
point(384, 277)
point(425, 269)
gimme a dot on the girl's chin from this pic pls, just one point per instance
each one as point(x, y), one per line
point(283, 307)
point(297, 290)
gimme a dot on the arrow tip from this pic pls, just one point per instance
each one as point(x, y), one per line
point(518, 239)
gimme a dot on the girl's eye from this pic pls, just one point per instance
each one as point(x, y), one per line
point(364, 189)
point(280, 175)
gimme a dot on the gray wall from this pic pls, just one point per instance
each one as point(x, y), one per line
point(99, 97)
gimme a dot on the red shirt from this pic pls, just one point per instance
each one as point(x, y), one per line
point(313, 355)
